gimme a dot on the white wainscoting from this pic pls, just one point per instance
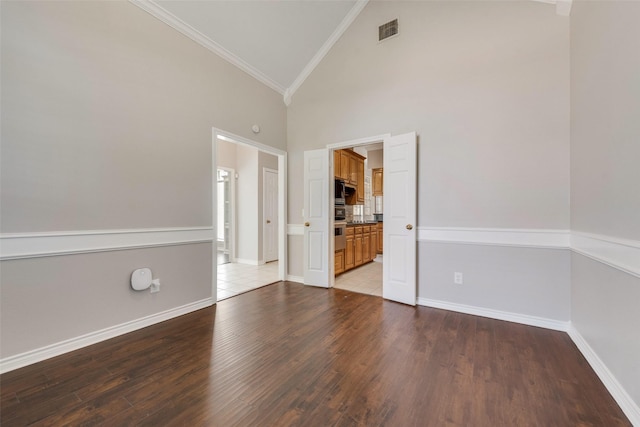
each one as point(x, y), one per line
point(622, 254)
point(496, 236)
point(40, 354)
point(33, 245)
point(618, 253)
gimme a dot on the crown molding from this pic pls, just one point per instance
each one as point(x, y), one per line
point(326, 47)
point(173, 21)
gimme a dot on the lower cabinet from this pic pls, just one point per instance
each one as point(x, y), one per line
point(358, 246)
point(374, 242)
point(361, 246)
point(380, 246)
point(349, 251)
point(339, 261)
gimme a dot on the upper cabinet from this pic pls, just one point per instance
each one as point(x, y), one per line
point(349, 166)
point(377, 178)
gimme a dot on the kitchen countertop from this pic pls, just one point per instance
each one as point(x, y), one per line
point(362, 223)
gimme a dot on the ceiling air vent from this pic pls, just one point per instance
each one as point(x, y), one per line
point(387, 30)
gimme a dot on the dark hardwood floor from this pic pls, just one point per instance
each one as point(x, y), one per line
point(288, 355)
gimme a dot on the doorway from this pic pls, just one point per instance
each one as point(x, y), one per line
point(244, 260)
point(399, 234)
point(226, 210)
point(358, 268)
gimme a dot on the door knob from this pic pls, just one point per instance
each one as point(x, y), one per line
point(409, 227)
point(306, 224)
point(268, 221)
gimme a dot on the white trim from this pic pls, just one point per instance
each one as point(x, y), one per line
point(359, 141)
point(173, 21)
point(626, 403)
point(249, 261)
point(14, 362)
point(563, 7)
point(532, 238)
point(282, 197)
point(295, 229)
point(266, 170)
point(32, 245)
point(297, 279)
point(622, 254)
point(541, 322)
point(326, 47)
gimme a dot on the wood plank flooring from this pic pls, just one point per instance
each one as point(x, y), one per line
point(288, 355)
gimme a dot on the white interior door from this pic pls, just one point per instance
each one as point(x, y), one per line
point(270, 216)
point(399, 265)
point(316, 218)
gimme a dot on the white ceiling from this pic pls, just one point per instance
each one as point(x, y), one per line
point(277, 41)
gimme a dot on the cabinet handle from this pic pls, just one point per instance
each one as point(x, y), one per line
point(306, 224)
point(409, 227)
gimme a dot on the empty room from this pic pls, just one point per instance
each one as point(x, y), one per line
point(509, 245)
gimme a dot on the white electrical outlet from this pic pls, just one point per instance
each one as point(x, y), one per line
point(155, 286)
point(457, 278)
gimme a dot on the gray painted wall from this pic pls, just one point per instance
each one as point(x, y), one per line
point(107, 117)
point(488, 93)
point(605, 178)
point(529, 281)
point(484, 87)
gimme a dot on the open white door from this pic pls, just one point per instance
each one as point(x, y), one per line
point(399, 265)
point(316, 218)
point(270, 214)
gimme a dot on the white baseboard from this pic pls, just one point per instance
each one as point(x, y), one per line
point(297, 279)
point(18, 361)
point(248, 261)
point(628, 406)
point(556, 325)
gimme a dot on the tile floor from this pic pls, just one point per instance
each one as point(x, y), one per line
point(234, 278)
point(366, 279)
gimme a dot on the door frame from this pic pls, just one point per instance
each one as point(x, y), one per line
point(232, 232)
point(331, 148)
point(282, 197)
point(266, 170)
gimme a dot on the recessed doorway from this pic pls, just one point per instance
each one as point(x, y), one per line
point(244, 216)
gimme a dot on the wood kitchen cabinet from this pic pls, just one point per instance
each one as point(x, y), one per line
point(374, 241)
point(377, 176)
point(349, 250)
point(336, 164)
point(345, 165)
point(366, 244)
point(357, 245)
point(339, 261)
point(360, 181)
point(361, 243)
point(380, 246)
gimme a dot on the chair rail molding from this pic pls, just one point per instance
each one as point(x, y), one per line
point(34, 245)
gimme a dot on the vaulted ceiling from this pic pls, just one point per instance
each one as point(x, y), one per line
point(279, 42)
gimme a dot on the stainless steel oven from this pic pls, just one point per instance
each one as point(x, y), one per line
point(340, 213)
point(340, 235)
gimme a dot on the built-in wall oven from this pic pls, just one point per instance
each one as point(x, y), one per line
point(340, 235)
point(340, 213)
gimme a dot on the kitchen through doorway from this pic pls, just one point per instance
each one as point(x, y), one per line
point(358, 218)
